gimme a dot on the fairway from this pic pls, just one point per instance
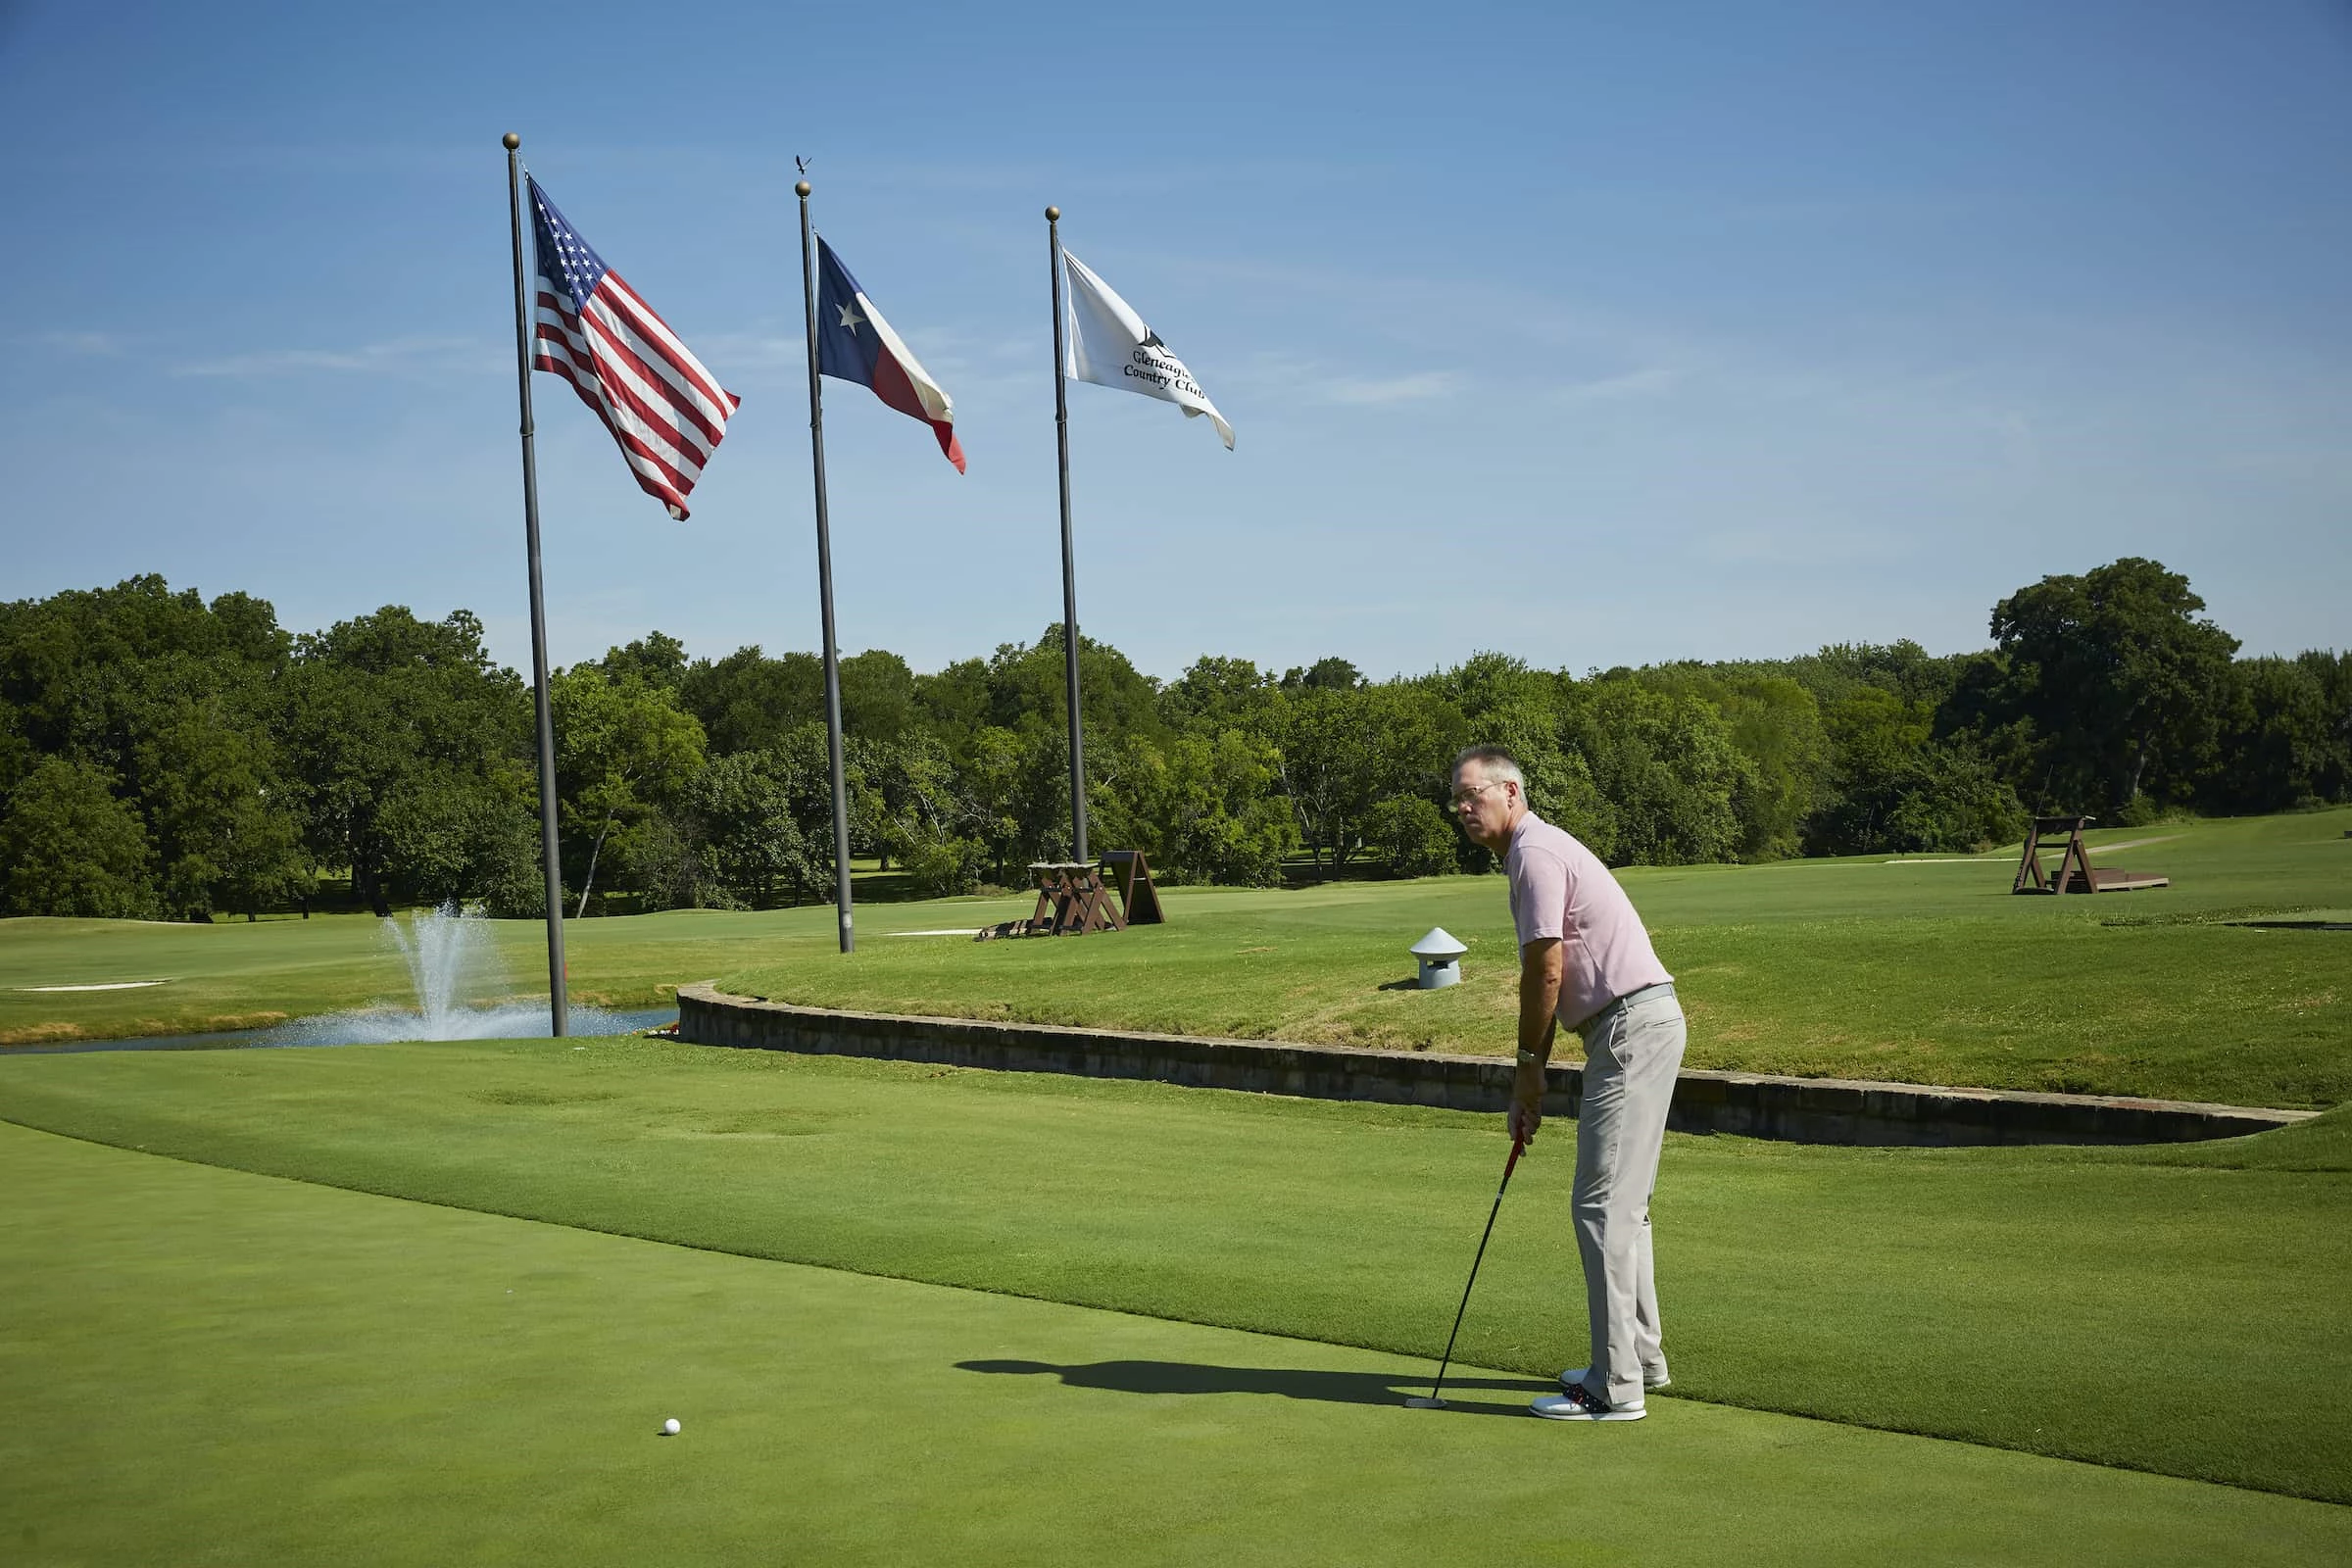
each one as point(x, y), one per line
point(1925, 972)
point(426, 1386)
point(2050, 1301)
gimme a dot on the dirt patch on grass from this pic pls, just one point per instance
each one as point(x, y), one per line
point(228, 1020)
point(40, 1034)
point(542, 1096)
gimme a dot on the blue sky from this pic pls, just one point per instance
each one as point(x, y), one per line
point(1598, 334)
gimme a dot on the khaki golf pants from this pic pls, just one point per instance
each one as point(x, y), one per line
point(1630, 1059)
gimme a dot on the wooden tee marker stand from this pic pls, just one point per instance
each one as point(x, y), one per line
point(1137, 894)
point(2074, 873)
point(1073, 899)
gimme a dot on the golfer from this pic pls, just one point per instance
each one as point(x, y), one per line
point(1585, 961)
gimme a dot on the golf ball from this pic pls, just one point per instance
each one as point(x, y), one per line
point(670, 1428)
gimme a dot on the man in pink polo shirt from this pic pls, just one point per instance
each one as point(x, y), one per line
point(1585, 961)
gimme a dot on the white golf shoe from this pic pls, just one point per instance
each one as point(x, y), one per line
point(1580, 1403)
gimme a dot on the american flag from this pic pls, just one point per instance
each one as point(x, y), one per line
point(667, 413)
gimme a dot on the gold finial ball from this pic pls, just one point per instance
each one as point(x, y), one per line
point(1053, 214)
point(511, 140)
point(802, 189)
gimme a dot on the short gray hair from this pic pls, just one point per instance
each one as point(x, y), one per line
point(1494, 761)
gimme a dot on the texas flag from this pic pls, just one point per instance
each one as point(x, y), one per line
point(854, 344)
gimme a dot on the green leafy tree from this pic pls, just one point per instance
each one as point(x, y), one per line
point(1027, 688)
point(1527, 712)
point(18, 754)
point(748, 700)
point(621, 748)
point(174, 698)
point(1774, 722)
point(261, 863)
point(386, 720)
point(1953, 802)
point(877, 697)
point(1412, 834)
point(465, 837)
point(1203, 808)
point(1343, 750)
point(953, 704)
point(999, 771)
point(920, 813)
point(1895, 788)
point(2333, 673)
point(762, 821)
point(68, 847)
point(1331, 674)
point(2278, 747)
point(2120, 678)
point(656, 659)
point(1837, 670)
point(1667, 767)
point(1216, 694)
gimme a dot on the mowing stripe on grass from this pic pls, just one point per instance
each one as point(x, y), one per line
point(203, 1366)
point(2053, 1301)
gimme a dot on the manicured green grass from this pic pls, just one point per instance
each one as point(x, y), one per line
point(1924, 972)
point(2181, 1309)
point(235, 975)
point(202, 1367)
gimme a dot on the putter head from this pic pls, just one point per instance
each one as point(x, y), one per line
point(1424, 1402)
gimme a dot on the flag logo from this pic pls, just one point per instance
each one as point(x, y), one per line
point(1108, 344)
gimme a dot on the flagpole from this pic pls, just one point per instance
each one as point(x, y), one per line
point(1069, 568)
point(557, 1012)
point(824, 589)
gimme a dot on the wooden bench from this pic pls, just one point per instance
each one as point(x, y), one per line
point(1139, 896)
point(1073, 898)
point(2074, 872)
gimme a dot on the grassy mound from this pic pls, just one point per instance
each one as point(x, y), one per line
point(2179, 1309)
point(1921, 971)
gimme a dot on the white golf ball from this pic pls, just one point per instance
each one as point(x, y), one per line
point(670, 1428)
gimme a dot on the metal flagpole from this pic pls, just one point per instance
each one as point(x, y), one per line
point(557, 1011)
point(824, 589)
point(1069, 568)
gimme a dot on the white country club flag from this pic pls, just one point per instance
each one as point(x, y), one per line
point(1108, 344)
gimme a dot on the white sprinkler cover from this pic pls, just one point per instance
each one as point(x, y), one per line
point(1439, 944)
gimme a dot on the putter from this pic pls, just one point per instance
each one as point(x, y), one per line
point(1431, 1401)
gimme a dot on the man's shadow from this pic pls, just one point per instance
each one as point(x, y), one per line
point(1291, 1383)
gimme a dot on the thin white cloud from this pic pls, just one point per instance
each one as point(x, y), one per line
point(1379, 390)
point(101, 345)
point(1289, 378)
point(405, 356)
point(1649, 381)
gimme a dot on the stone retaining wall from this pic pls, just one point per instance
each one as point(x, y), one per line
point(1815, 1110)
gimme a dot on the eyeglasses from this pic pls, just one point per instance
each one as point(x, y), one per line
point(1464, 795)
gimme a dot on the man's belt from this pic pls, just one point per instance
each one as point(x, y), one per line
point(1664, 989)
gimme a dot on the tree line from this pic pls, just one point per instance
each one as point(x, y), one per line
point(166, 757)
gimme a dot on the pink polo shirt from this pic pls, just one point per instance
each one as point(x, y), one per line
point(1560, 889)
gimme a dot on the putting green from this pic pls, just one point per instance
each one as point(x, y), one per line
point(2085, 1303)
point(204, 1366)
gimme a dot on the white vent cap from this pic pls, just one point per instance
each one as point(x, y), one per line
point(1439, 944)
